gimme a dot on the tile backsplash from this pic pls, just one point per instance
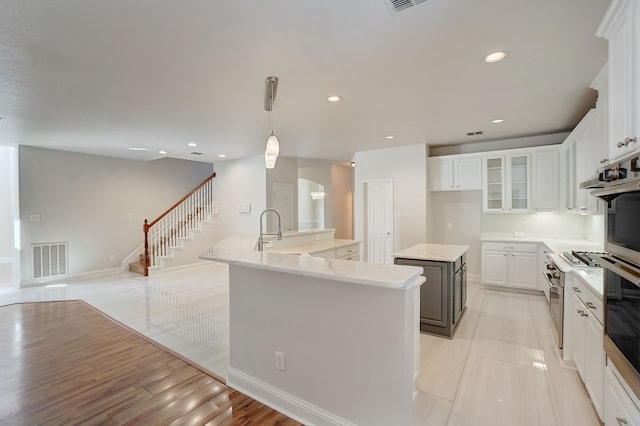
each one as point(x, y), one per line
point(556, 225)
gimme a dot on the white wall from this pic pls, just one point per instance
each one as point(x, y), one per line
point(6, 222)
point(407, 166)
point(285, 171)
point(463, 210)
point(97, 204)
point(241, 181)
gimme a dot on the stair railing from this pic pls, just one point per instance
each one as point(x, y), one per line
point(164, 232)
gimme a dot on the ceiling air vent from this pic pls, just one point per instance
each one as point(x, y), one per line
point(400, 5)
point(477, 132)
point(195, 153)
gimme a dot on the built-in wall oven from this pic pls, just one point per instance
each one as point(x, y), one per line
point(622, 268)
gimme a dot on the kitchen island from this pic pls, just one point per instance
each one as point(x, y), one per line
point(325, 341)
point(443, 298)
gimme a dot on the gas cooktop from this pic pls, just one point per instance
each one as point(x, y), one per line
point(581, 259)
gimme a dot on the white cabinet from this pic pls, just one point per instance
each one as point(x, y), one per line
point(510, 264)
point(581, 163)
point(620, 27)
point(507, 183)
point(350, 252)
point(619, 409)
point(455, 173)
point(601, 85)
point(587, 335)
point(546, 182)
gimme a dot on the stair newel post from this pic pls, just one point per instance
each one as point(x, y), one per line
point(146, 247)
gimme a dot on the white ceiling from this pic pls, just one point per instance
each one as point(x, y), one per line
point(101, 76)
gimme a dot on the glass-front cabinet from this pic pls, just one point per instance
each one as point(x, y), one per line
point(508, 183)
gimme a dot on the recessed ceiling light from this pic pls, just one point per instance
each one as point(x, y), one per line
point(495, 56)
point(138, 149)
point(498, 121)
point(163, 152)
point(389, 137)
point(192, 144)
point(222, 155)
point(334, 98)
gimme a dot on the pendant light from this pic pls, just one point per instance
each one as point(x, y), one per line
point(272, 149)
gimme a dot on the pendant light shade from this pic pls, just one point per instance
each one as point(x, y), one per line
point(273, 146)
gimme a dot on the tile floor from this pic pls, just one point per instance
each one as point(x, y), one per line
point(501, 367)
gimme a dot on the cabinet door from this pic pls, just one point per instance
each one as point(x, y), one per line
point(594, 362)
point(464, 286)
point(433, 296)
point(468, 173)
point(494, 184)
point(494, 267)
point(523, 270)
point(440, 174)
point(570, 171)
point(457, 295)
point(546, 181)
point(618, 27)
point(619, 408)
point(519, 182)
point(578, 330)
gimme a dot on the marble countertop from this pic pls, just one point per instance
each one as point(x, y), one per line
point(313, 247)
point(434, 252)
point(556, 245)
point(237, 251)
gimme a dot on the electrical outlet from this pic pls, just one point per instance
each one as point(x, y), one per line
point(518, 234)
point(318, 237)
point(279, 358)
point(112, 258)
point(449, 226)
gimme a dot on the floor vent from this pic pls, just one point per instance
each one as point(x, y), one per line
point(49, 259)
point(400, 5)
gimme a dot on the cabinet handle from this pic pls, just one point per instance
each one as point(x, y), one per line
point(604, 160)
point(591, 305)
point(620, 144)
point(577, 290)
point(627, 141)
point(580, 311)
point(621, 421)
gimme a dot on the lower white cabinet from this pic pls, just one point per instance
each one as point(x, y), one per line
point(510, 265)
point(619, 408)
point(587, 335)
point(350, 252)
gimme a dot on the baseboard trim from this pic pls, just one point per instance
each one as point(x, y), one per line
point(287, 404)
point(69, 277)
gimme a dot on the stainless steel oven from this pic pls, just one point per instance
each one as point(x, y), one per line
point(622, 268)
point(555, 280)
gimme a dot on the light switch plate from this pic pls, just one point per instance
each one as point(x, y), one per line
point(518, 234)
point(244, 208)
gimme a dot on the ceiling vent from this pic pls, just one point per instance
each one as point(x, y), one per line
point(476, 133)
point(195, 153)
point(399, 5)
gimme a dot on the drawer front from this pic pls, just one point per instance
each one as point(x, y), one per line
point(502, 246)
point(347, 251)
point(327, 254)
point(593, 302)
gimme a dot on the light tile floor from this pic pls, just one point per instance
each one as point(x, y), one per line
point(501, 368)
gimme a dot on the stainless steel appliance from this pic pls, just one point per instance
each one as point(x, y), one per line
point(622, 268)
point(555, 279)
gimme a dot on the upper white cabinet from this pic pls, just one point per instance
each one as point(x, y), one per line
point(455, 173)
point(601, 85)
point(581, 163)
point(546, 191)
point(620, 27)
point(507, 183)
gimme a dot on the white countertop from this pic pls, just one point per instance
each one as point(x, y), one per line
point(237, 251)
point(313, 247)
point(556, 245)
point(434, 252)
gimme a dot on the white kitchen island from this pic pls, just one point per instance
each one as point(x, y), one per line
point(325, 341)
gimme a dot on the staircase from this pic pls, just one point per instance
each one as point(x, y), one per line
point(167, 237)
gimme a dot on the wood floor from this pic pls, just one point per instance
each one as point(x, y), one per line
point(65, 363)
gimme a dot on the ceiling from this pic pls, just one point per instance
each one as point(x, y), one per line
point(100, 77)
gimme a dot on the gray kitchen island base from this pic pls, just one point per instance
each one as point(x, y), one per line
point(444, 295)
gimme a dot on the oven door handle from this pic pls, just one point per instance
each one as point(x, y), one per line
point(547, 276)
point(613, 266)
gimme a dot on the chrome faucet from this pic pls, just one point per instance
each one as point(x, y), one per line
point(262, 234)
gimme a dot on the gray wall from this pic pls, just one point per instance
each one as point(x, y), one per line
point(97, 204)
point(6, 223)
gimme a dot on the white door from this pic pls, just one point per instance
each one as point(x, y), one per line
point(282, 194)
point(377, 219)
